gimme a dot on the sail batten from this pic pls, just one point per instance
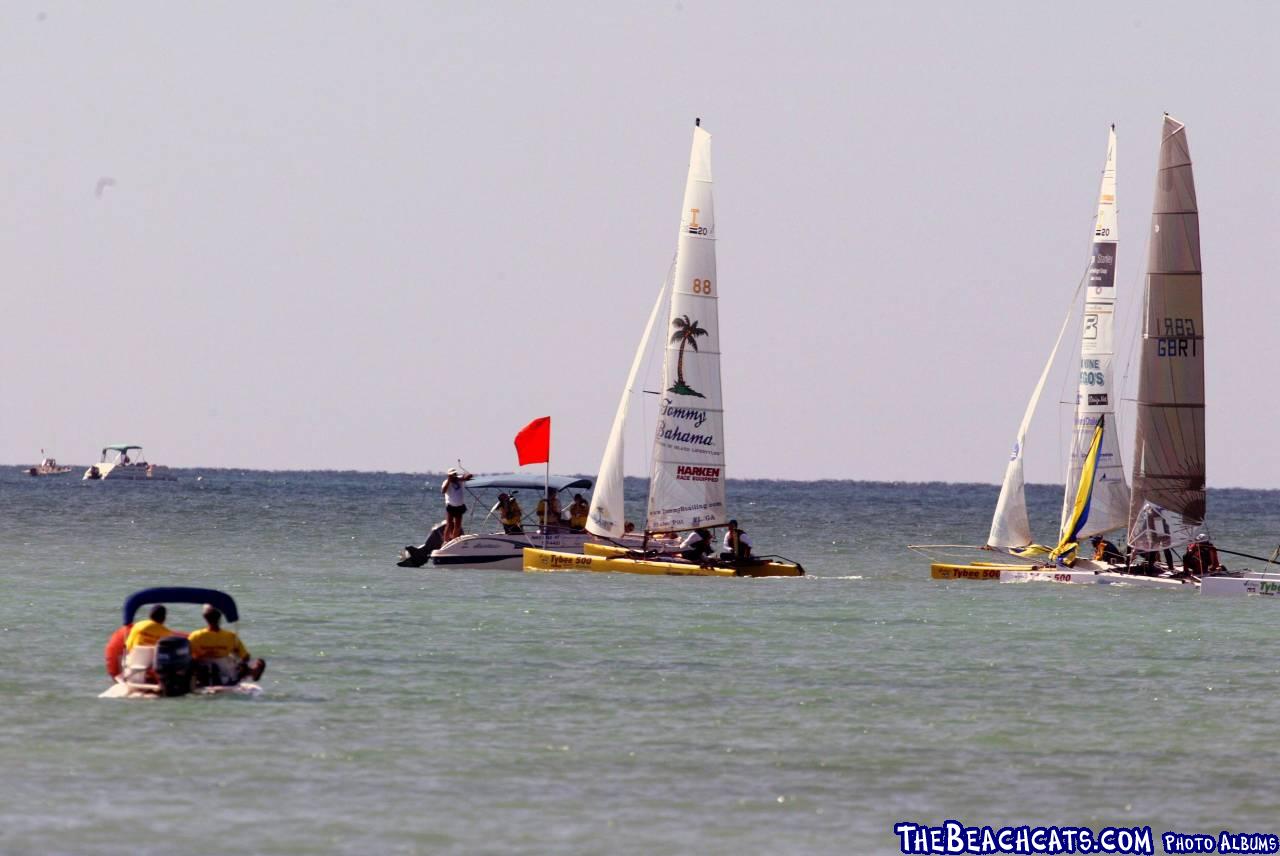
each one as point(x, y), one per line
point(687, 477)
point(1169, 443)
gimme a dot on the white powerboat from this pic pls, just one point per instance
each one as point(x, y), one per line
point(166, 669)
point(117, 463)
point(501, 550)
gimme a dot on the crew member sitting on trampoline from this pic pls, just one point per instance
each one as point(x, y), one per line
point(736, 545)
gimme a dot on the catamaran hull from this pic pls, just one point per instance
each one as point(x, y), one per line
point(1266, 587)
point(1052, 575)
point(550, 561)
point(988, 572)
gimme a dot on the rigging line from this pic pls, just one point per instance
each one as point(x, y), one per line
point(1076, 304)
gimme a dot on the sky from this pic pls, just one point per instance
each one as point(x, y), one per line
point(386, 236)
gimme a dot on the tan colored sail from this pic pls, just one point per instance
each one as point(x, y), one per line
point(1169, 447)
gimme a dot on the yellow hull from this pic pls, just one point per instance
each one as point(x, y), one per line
point(978, 571)
point(614, 560)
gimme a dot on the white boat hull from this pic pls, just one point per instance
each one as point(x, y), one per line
point(121, 689)
point(1059, 575)
point(129, 472)
point(1086, 576)
point(1259, 586)
point(501, 552)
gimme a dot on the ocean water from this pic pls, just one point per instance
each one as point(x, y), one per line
point(424, 711)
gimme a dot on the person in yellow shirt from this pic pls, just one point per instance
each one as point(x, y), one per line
point(549, 510)
point(578, 513)
point(150, 630)
point(510, 514)
point(212, 644)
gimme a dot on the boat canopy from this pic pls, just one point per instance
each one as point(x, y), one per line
point(181, 594)
point(529, 481)
point(121, 447)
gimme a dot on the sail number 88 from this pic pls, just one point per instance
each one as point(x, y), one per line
point(702, 286)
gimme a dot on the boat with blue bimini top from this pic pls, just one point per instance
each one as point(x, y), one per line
point(161, 661)
point(500, 545)
point(118, 464)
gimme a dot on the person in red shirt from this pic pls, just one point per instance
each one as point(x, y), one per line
point(1201, 557)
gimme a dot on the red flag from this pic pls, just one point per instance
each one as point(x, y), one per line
point(533, 443)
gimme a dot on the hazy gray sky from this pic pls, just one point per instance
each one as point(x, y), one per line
point(385, 236)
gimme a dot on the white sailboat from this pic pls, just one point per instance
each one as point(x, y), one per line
point(687, 472)
point(1095, 498)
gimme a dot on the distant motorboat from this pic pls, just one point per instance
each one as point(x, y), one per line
point(47, 467)
point(117, 464)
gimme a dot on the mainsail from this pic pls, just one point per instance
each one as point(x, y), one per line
point(1169, 447)
point(607, 515)
point(686, 483)
point(1095, 395)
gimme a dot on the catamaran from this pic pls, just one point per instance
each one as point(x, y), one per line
point(1095, 498)
point(687, 470)
point(1167, 506)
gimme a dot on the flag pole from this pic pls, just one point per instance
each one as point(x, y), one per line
point(546, 496)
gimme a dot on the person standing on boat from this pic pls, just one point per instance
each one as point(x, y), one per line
point(455, 503)
point(221, 651)
point(578, 513)
point(696, 546)
point(1105, 551)
point(150, 630)
point(549, 510)
point(509, 514)
point(736, 545)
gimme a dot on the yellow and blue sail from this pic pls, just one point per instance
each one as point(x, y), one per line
point(1079, 516)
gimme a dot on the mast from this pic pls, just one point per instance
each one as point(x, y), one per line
point(1095, 395)
point(1169, 444)
point(687, 478)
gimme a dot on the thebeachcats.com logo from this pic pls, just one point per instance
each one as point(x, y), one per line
point(953, 837)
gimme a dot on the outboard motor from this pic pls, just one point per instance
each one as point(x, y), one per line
point(173, 665)
point(416, 557)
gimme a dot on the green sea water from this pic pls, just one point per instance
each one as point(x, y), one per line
point(425, 711)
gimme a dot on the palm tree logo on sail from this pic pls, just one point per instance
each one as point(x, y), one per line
point(687, 333)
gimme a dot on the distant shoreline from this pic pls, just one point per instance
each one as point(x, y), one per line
point(440, 475)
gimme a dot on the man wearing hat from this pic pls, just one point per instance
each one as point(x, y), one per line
point(509, 514)
point(221, 652)
point(1201, 557)
point(455, 503)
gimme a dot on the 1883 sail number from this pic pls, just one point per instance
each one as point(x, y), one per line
point(1176, 337)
